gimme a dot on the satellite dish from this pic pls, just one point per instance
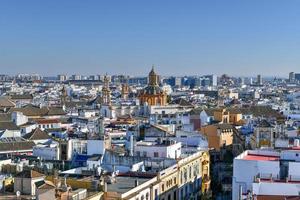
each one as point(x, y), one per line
point(18, 193)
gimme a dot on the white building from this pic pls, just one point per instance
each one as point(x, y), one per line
point(47, 152)
point(95, 147)
point(18, 118)
point(163, 149)
point(194, 139)
point(267, 173)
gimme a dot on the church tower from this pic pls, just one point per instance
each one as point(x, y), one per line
point(106, 98)
point(125, 91)
point(63, 97)
point(153, 78)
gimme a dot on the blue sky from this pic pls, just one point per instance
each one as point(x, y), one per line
point(237, 37)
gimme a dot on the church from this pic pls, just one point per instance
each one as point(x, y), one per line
point(153, 95)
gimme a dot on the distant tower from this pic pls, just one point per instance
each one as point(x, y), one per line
point(153, 78)
point(259, 80)
point(291, 77)
point(64, 95)
point(106, 98)
point(125, 90)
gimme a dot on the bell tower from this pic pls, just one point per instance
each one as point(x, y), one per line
point(153, 77)
point(106, 98)
point(125, 90)
point(64, 95)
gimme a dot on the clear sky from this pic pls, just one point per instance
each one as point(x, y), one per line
point(241, 37)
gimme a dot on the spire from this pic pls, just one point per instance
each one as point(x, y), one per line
point(153, 77)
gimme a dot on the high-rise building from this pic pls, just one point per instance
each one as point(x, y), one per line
point(76, 77)
point(62, 77)
point(241, 80)
point(213, 79)
point(259, 80)
point(175, 81)
point(251, 81)
point(291, 77)
point(297, 76)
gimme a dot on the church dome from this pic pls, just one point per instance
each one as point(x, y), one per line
point(152, 90)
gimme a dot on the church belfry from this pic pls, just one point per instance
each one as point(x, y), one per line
point(106, 98)
point(125, 90)
point(63, 97)
point(153, 78)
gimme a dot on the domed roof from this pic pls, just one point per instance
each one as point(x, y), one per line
point(152, 90)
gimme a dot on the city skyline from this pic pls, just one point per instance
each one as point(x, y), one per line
point(234, 37)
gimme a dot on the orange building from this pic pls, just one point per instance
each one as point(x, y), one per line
point(228, 116)
point(218, 135)
point(153, 94)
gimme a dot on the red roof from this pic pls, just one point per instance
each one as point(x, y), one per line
point(47, 121)
point(261, 157)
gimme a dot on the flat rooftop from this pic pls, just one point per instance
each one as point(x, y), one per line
point(261, 157)
point(125, 183)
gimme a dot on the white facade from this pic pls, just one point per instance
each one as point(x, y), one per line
point(87, 113)
point(204, 118)
point(267, 172)
point(150, 149)
point(95, 147)
point(18, 118)
point(27, 129)
point(46, 152)
point(191, 139)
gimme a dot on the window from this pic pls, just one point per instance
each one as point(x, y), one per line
point(163, 187)
point(196, 169)
point(138, 153)
point(186, 189)
point(190, 172)
point(156, 194)
point(181, 177)
point(182, 193)
point(174, 180)
point(144, 154)
point(156, 154)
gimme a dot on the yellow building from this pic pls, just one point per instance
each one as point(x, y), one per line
point(225, 116)
point(187, 179)
point(153, 94)
point(221, 115)
point(125, 91)
point(218, 135)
